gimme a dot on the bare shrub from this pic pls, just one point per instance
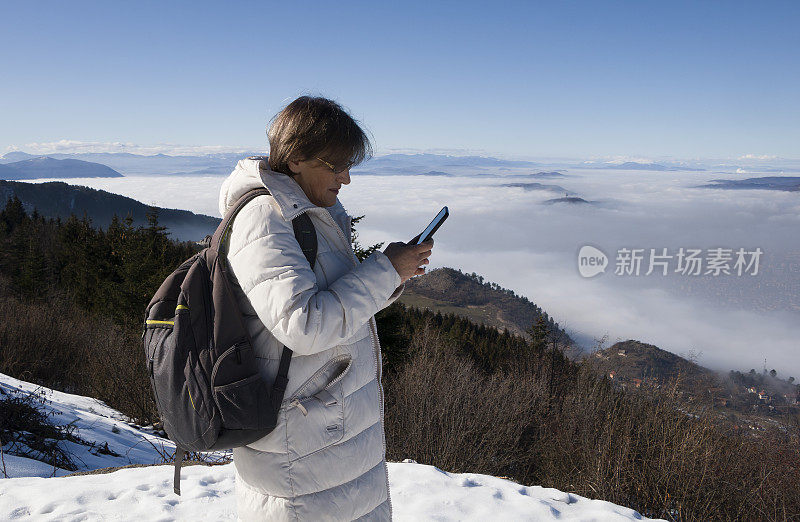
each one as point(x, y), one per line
point(27, 431)
point(576, 432)
point(55, 344)
point(651, 452)
point(442, 410)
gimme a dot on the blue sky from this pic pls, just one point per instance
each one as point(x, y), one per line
point(574, 79)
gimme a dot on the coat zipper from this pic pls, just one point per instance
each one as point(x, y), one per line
point(376, 344)
point(225, 354)
point(297, 401)
point(344, 357)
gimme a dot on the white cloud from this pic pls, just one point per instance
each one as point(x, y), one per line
point(74, 146)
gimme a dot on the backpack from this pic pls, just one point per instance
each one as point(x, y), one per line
point(200, 357)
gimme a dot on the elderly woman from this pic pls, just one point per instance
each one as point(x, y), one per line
point(325, 460)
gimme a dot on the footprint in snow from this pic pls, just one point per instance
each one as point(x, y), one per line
point(20, 512)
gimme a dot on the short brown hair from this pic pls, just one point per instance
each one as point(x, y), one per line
point(312, 127)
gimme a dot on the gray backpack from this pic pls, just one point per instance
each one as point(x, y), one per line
point(199, 355)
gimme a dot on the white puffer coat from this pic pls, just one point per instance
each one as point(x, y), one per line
point(325, 460)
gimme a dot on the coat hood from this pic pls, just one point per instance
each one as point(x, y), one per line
point(254, 172)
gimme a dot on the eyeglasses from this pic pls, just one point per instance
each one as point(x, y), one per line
point(334, 169)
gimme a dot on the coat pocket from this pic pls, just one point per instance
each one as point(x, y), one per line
point(315, 413)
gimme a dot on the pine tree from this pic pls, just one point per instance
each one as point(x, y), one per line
point(539, 332)
point(361, 252)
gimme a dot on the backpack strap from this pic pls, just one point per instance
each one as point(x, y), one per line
point(306, 236)
point(304, 230)
point(223, 227)
point(180, 453)
point(281, 379)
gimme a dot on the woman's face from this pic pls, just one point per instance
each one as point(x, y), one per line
point(319, 182)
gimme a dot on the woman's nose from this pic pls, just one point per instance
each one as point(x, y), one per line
point(344, 177)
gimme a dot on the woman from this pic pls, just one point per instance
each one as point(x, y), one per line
point(325, 460)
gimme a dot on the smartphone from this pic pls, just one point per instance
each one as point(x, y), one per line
point(430, 229)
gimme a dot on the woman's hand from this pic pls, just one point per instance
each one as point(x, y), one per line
point(408, 258)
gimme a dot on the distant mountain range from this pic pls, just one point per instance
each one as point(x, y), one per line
point(442, 160)
point(58, 199)
point(784, 183)
point(633, 165)
point(141, 165)
point(222, 164)
point(434, 165)
point(390, 164)
point(45, 167)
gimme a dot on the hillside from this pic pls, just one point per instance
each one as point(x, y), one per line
point(635, 363)
point(57, 199)
point(447, 290)
point(749, 401)
point(45, 167)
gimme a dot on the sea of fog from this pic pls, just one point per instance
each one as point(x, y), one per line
point(512, 236)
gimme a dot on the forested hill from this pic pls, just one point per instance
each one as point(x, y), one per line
point(637, 362)
point(448, 290)
point(58, 200)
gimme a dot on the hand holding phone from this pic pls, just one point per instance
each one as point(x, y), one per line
point(407, 257)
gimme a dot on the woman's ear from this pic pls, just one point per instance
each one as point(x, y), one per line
point(294, 166)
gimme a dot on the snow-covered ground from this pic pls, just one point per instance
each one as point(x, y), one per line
point(419, 492)
point(95, 423)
